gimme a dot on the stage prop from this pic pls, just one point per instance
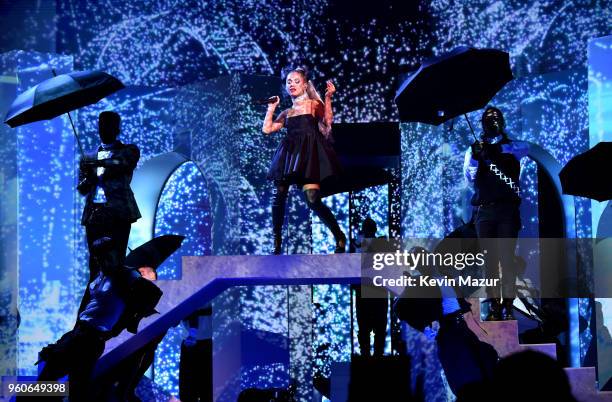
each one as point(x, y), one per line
point(453, 84)
point(368, 151)
point(148, 184)
point(582, 175)
point(61, 94)
point(154, 252)
point(370, 157)
point(237, 348)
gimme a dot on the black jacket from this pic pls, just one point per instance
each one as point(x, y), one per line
point(140, 296)
point(120, 202)
point(489, 187)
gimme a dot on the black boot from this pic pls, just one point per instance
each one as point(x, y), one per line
point(278, 244)
point(340, 244)
point(279, 201)
point(495, 310)
point(508, 310)
point(313, 199)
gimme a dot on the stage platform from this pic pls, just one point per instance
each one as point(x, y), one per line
point(203, 279)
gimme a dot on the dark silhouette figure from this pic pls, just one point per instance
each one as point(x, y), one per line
point(492, 165)
point(104, 178)
point(120, 297)
point(466, 360)
point(372, 303)
point(121, 383)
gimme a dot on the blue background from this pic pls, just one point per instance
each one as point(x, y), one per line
point(186, 65)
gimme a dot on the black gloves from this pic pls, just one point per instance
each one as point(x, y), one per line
point(88, 162)
point(477, 148)
point(484, 151)
point(91, 163)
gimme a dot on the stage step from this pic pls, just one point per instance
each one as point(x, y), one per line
point(584, 385)
point(549, 349)
point(203, 278)
point(503, 336)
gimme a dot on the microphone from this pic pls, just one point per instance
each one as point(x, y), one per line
point(265, 101)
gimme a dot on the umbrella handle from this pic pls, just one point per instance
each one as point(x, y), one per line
point(471, 128)
point(76, 135)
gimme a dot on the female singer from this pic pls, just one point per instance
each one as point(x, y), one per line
point(304, 156)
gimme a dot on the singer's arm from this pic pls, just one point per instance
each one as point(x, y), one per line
point(325, 112)
point(270, 125)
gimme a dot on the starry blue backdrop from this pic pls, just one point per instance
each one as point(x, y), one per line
point(184, 64)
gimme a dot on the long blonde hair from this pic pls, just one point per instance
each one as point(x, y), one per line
point(313, 94)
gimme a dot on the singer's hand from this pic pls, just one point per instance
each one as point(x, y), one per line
point(273, 105)
point(330, 89)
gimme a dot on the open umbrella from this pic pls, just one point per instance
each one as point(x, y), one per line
point(588, 174)
point(154, 252)
point(61, 94)
point(453, 84)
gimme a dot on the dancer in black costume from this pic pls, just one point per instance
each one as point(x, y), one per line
point(304, 156)
point(104, 179)
point(493, 166)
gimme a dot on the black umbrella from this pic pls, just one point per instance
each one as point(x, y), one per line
point(588, 174)
point(61, 94)
point(453, 84)
point(154, 252)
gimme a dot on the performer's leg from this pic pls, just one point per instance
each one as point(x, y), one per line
point(313, 199)
point(54, 369)
point(487, 232)
point(507, 245)
point(279, 202)
point(363, 334)
point(120, 234)
point(135, 369)
point(75, 355)
point(380, 326)
point(92, 233)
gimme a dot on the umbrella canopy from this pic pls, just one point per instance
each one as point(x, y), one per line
point(61, 94)
point(154, 252)
point(588, 174)
point(453, 84)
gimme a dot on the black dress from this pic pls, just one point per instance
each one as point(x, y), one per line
point(304, 155)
